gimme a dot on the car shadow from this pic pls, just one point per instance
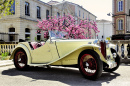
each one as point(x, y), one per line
point(69, 76)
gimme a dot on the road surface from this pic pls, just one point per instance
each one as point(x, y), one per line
point(61, 76)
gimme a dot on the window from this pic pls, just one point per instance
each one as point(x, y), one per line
point(89, 18)
point(12, 9)
point(47, 14)
point(11, 30)
point(83, 15)
point(58, 14)
point(120, 6)
point(38, 12)
point(75, 14)
point(120, 25)
point(129, 12)
point(27, 34)
point(38, 35)
point(11, 34)
point(27, 9)
point(64, 14)
point(79, 13)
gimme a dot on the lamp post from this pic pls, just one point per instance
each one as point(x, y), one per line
point(103, 31)
point(113, 24)
point(110, 14)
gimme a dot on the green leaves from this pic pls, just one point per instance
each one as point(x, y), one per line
point(5, 6)
point(4, 55)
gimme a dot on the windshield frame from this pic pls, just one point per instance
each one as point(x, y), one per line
point(57, 34)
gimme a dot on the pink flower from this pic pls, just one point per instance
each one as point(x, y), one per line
point(77, 31)
point(73, 31)
point(68, 24)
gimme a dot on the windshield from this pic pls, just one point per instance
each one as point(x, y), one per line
point(57, 34)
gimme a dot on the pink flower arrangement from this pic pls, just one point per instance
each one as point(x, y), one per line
point(68, 24)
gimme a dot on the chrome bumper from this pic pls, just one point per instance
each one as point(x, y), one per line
point(111, 64)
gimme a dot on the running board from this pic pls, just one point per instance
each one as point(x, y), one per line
point(37, 64)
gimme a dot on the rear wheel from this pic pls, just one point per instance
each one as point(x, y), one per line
point(90, 65)
point(20, 60)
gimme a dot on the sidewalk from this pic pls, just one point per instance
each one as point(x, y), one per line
point(5, 63)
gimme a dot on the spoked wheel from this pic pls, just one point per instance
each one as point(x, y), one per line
point(20, 60)
point(117, 60)
point(90, 65)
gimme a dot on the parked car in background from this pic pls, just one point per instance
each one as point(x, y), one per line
point(84, 54)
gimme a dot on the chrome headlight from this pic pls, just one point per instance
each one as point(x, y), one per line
point(114, 55)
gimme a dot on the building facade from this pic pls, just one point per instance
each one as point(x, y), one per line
point(22, 24)
point(105, 28)
point(121, 16)
point(75, 10)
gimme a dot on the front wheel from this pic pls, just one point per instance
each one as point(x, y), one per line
point(20, 60)
point(90, 65)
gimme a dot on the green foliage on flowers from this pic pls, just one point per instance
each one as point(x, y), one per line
point(5, 6)
point(37, 40)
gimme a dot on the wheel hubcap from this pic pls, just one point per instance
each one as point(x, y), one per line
point(20, 59)
point(88, 64)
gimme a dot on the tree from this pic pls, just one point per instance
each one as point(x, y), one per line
point(5, 7)
point(67, 23)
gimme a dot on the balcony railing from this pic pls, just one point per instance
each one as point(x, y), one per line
point(7, 47)
point(123, 49)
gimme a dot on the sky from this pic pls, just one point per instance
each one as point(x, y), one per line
point(99, 8)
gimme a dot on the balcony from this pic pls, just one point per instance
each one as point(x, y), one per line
point(119, 31)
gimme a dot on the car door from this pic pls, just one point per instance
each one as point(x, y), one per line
point(45, 54)
point(53, 49)
point(42, 54)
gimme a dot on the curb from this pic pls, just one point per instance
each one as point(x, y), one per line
point(6, 63)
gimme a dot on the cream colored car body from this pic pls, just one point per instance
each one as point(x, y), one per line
point(57, 52)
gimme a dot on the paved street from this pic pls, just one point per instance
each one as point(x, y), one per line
point(59, 76)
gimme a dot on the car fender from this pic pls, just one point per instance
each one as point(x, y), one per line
point(24, 47)
point(109, 47)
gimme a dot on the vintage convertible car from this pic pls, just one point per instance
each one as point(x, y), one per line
point(86, 54)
